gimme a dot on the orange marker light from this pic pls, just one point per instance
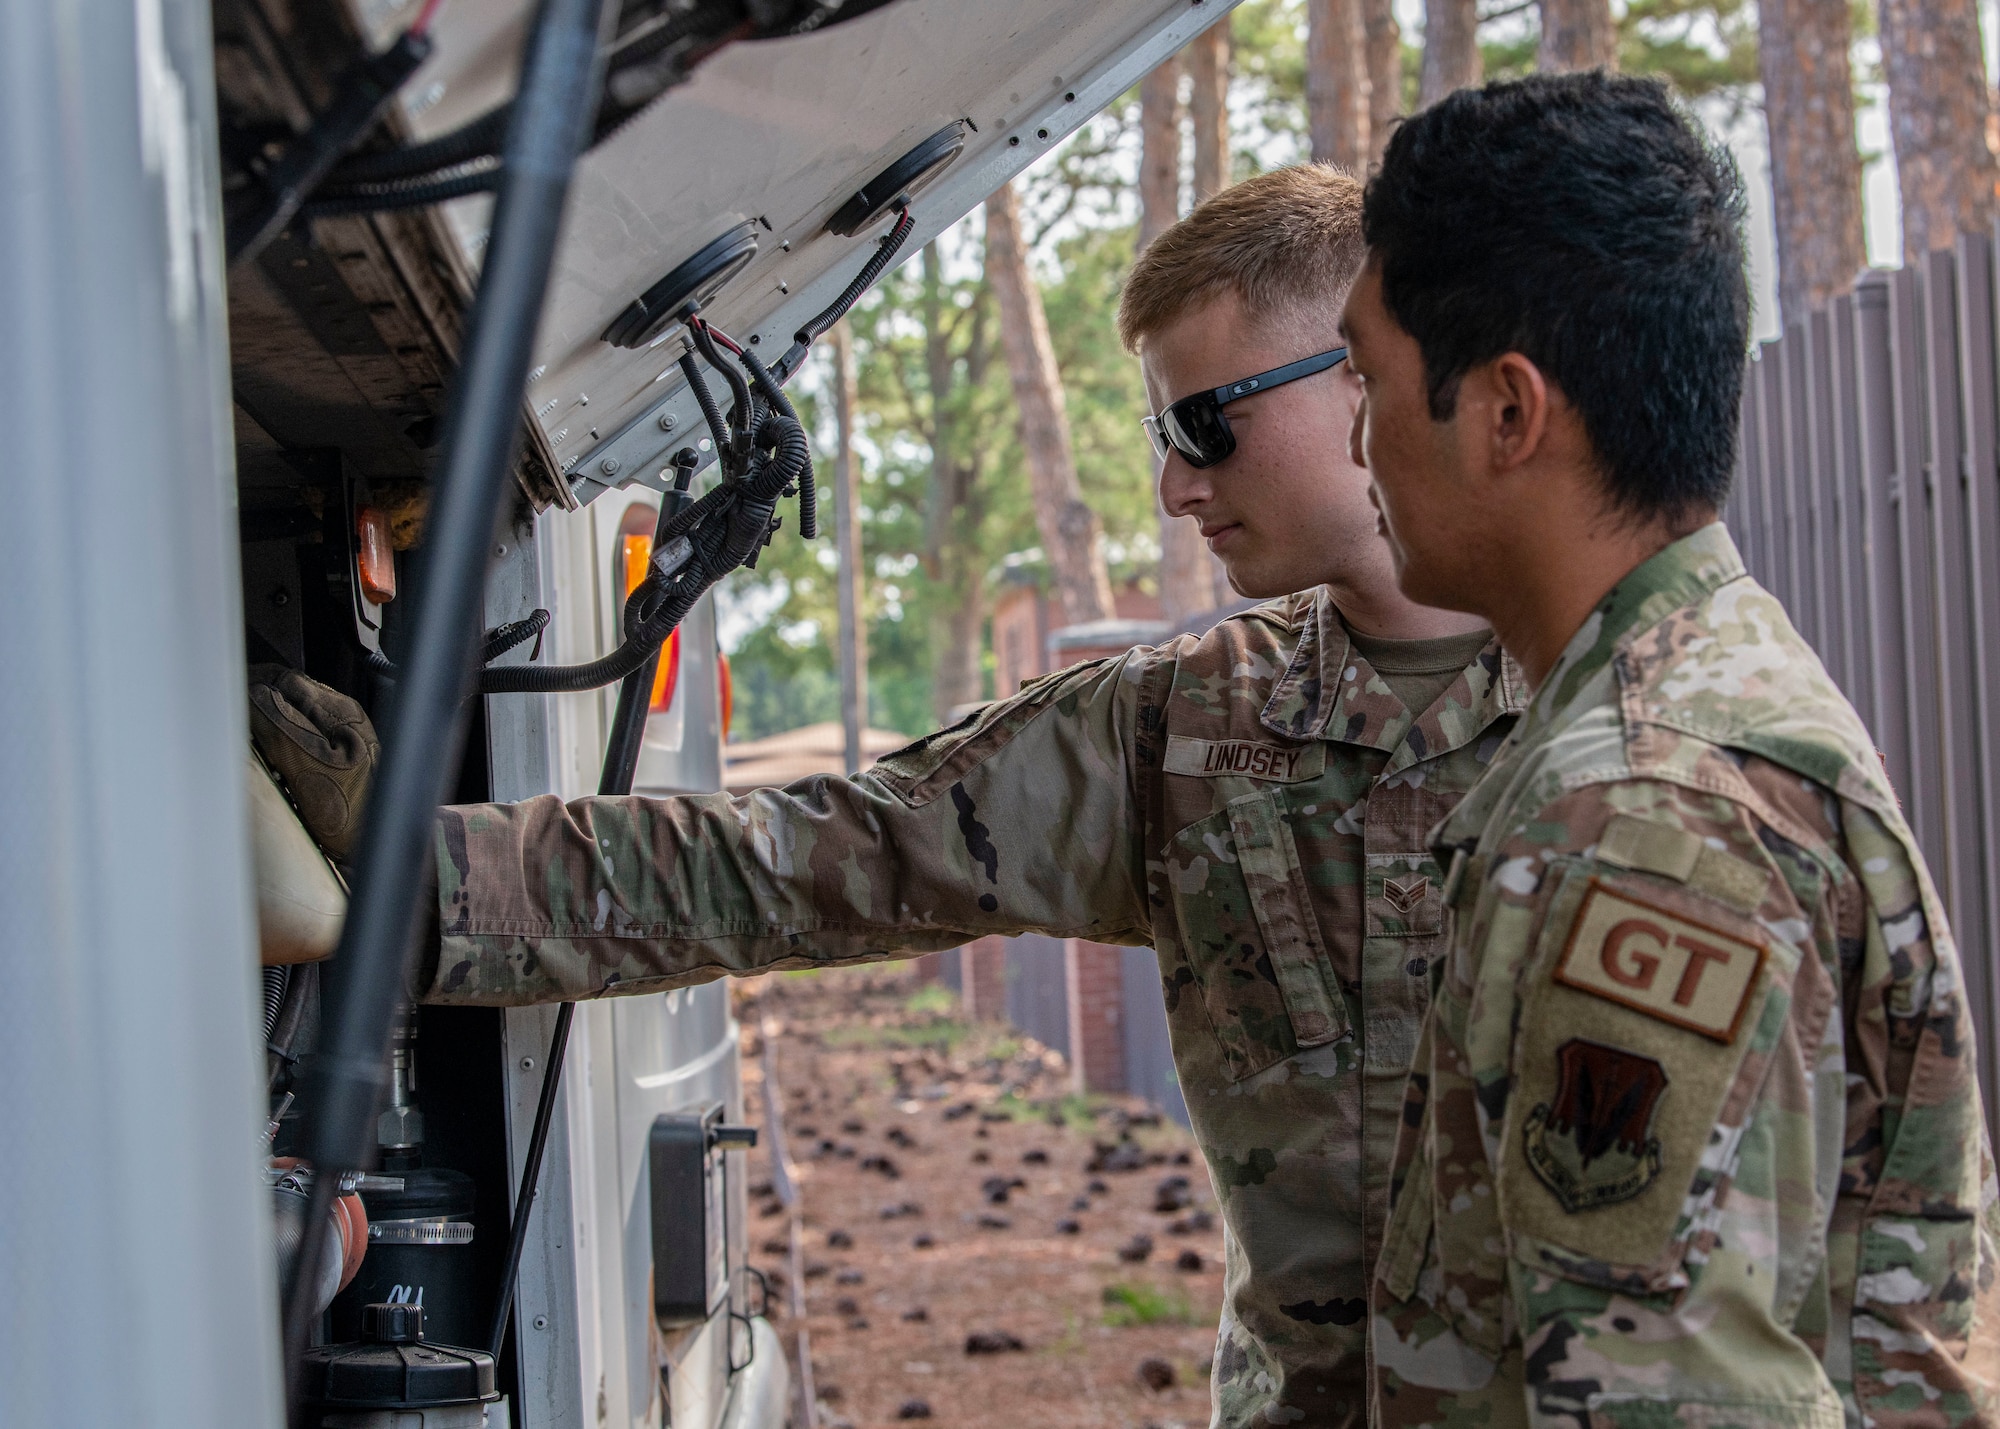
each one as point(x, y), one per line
point(636, 551)
point(374, 556)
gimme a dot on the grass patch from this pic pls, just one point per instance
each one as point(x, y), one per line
point(931, 1000)
point(943, 1034)
point(1128, 1305)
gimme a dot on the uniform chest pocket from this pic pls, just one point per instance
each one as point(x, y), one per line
point(1405, 896)
point(1250, 937)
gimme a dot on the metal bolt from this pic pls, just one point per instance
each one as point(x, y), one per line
point(609, 466)
point(784, 287)
point(541, 1322)
point(527, 1064)
point(1041, 133)
point(785, 246)
point(501, 549)
point(668, 421)
point(281, 597)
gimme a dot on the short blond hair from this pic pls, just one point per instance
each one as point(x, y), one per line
point(1284, 240)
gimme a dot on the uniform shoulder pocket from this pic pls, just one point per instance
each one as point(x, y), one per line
point(919, 772)
point(1649, 1014)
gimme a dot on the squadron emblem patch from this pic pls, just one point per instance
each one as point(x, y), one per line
point(1594, 1145)
point(1662, 964)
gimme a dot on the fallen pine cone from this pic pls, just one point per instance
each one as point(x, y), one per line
point(992, 1342)
point(1139, 1248)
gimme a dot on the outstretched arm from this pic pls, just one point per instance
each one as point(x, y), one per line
point(1022, 818)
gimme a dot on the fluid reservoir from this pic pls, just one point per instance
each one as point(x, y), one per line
point(420, 1250)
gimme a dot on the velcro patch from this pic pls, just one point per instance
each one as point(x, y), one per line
point(1253, 759)
point(1661, 963)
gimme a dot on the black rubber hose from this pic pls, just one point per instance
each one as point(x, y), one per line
point(885, 249)
point(531, 1176)
point(635, 695)
point(739, 390)
point(760, 378)
point(499, 640)
point(424, 730)
point(386, 197)
point(475, 139)
point(718, 430)
point(359, 97)
point(724, 529)
point(276, 981)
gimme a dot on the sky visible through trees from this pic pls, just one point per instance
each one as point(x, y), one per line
point(946, 514)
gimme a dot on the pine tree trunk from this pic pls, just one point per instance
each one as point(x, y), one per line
point(1337, 83)
point(1577, 34)
point(1159, 150)
point(1938, 106)
point(847, 545)
point(1815, 169)
point(1071, 532)
point(1451, 49)
point(1208, 66)
point(1187, 569)
point(1384, 39)
point(958, 636)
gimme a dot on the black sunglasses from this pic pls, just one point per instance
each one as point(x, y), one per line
point(1195, 426)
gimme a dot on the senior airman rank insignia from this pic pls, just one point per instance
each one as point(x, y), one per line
point(1594, 1144)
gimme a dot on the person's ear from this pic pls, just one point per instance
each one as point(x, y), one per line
point(1517, 410)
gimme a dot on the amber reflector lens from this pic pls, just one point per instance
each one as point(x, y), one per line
point(374, 556)
point(636, 551)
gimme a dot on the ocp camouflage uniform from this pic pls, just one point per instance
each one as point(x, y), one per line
point(1695, 1136)
point(1252, 804)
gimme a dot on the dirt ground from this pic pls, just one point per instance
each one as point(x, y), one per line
point(980, 1246)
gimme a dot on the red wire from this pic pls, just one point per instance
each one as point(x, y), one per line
point(718, 334)
point(422, 24)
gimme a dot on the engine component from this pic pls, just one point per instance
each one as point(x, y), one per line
point(420, 1248)
point(300, 900)
point(687, 287)
point(344, 1233)
point(901, 181)
point(394, 1378)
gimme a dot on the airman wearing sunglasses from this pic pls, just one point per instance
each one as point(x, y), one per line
point(1250, 802)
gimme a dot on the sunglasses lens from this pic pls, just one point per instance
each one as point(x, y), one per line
point(1198, 431)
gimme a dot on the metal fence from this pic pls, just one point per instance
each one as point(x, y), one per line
point(1868, 500)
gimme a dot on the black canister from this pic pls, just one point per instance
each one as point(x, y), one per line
point(420, 1251)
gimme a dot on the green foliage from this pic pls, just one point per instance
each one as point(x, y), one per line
point(933, 999)
point(1129, 1305)
point(944, 501)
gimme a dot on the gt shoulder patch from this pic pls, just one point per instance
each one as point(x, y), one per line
point(1664, 964)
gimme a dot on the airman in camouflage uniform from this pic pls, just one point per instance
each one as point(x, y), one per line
point(1694, 1137)
point(1251, 803)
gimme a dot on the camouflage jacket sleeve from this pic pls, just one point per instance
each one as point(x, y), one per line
point(1023, 817)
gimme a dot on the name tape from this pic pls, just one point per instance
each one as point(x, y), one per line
point(1212, 758)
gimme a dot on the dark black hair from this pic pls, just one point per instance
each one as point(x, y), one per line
point(1584, 221)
